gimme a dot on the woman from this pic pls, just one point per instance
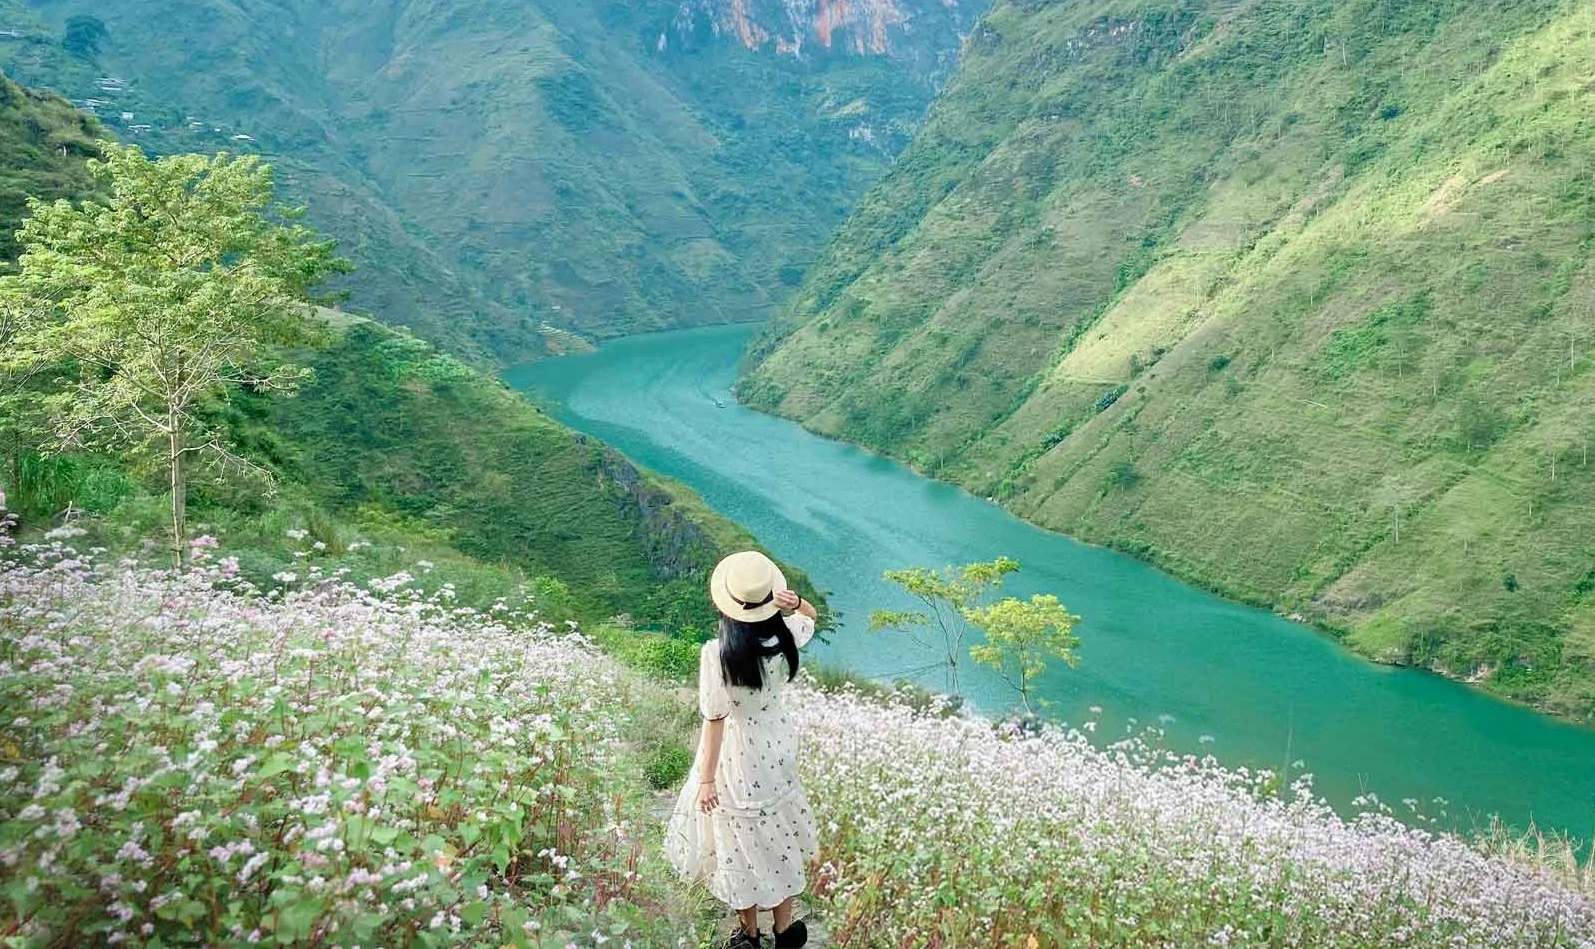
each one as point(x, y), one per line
point(742, 824)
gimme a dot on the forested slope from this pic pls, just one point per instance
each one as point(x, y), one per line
point(1291, 298)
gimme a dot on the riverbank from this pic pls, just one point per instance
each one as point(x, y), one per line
point(1352, 378)
point(1480, 677)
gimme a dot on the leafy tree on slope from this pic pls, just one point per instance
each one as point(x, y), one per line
point(1021, 635)
point(159, 298)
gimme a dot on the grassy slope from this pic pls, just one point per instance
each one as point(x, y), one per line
point(394, 453)
point(1294, 301)
point(494, 165)
point(389, 424)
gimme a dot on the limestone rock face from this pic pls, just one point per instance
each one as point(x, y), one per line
point(923, 33)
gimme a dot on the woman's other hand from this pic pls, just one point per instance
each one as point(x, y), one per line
point(708, 797)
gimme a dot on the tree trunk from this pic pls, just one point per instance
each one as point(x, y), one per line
point(174, 433)
point(16, 473)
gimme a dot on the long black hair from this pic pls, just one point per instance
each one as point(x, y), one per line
point(743, 649)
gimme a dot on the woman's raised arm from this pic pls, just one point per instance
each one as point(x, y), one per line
point(788, 601)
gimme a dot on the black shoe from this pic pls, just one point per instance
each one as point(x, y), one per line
point(796, 935)
point(741, 939)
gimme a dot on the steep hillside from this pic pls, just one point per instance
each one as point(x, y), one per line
point(394, 447)
point(43, 144)
point(1293, 299)
point(390, 428)
point(388, 440)
point(605, 167)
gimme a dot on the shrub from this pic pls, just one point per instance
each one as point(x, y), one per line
point(1123, 474)
point(657, 655)
point(1110, 397)
point(667, 766)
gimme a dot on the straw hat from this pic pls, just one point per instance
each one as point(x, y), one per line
point(744, 586)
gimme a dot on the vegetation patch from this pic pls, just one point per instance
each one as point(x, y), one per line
point(187, 759)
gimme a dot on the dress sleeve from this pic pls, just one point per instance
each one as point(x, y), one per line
point(714, 702)
point(802, 628)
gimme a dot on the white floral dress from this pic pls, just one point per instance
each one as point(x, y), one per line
point(751, 850)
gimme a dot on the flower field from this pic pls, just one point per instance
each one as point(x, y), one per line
point(184, 761)
point(187, 760)
point(954, 832)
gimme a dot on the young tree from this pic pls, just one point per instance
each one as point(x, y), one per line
point(948, 596)
point(1021, 636)
point(169, 291)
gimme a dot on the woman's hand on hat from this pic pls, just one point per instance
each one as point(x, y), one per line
point(786, 601)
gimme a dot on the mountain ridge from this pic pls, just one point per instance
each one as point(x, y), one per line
point(496, 167)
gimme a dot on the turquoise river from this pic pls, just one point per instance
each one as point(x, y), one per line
point(1248, 686)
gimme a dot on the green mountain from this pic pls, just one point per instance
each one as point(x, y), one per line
point(1292, 298)
point(603, 167)
point(391, 453)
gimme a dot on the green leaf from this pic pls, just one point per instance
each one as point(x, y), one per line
point(191, 911)
point(382, 835)
point(297, 920)
point(274, 765)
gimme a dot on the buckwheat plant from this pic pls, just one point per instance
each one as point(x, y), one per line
point(942, 831)
point(184, 760)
